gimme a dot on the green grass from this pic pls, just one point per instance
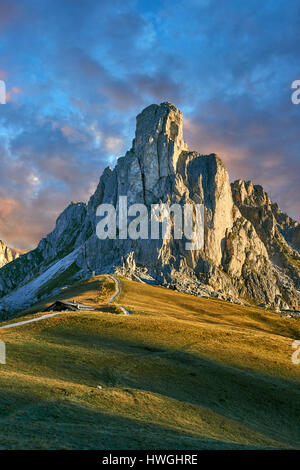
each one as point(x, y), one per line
point(180, 372)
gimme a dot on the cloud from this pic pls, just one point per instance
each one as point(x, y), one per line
point(73, 94)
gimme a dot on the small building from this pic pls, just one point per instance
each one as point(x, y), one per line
point(65, 306)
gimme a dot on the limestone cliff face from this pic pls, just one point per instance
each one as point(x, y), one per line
point(280, 237)
point(251, 249)
point(7, 254)
point(161, 168)
point(158, 144)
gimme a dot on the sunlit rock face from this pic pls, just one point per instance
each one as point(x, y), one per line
point(7, 254)
point(161, 168)
point(279, 236)
point(250, 252)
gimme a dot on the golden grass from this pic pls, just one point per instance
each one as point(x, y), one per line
point(246, 337)
point(179, 372)
point(93, 292)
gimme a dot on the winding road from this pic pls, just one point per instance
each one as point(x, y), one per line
point(44, 317)
point(116, 293)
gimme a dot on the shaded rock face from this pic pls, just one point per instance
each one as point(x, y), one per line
point(7, 254)
point(251, 249)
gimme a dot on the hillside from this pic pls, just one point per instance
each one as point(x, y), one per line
point(179, 372)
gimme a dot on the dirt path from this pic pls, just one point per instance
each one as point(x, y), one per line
point(116, 293)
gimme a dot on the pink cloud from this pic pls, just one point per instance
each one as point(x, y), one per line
point(73, 135)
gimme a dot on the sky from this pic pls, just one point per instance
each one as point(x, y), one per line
point(77, 73)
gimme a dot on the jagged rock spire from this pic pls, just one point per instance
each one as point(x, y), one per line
point(158, 141)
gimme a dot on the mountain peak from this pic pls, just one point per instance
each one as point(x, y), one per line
point(156, 119)
point(159, 141)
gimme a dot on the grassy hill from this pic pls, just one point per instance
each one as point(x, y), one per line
point(179, 372)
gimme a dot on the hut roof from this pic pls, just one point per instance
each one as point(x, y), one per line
point(61, 305)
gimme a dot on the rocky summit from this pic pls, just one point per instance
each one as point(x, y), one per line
point(251, 251)
point(7, 254)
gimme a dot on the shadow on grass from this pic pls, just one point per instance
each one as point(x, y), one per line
point(268, 405)
point(60, 424)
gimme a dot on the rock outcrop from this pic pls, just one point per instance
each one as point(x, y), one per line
point(7, 254)
point(251, 250)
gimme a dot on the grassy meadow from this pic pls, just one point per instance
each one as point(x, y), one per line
point(179, 373)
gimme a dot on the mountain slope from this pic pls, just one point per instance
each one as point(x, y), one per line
point(179, 372)
point(251, 249)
